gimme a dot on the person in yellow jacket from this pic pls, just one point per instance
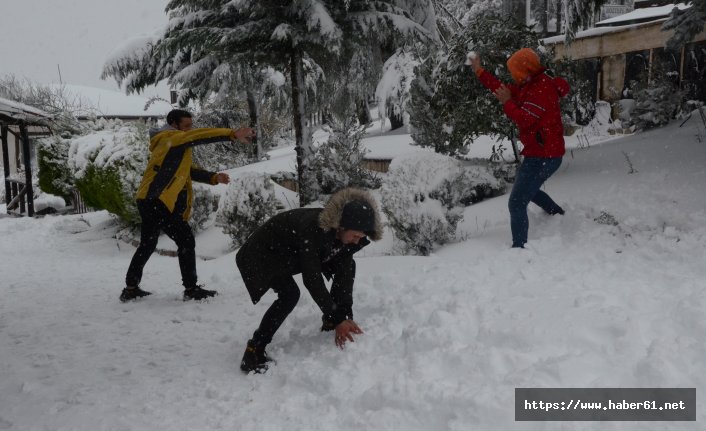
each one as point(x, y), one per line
point(165, 195)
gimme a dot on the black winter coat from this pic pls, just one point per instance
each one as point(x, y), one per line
point(293, 242)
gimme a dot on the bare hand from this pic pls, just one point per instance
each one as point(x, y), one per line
point(244, 135)
point(345, 331)
point(503, 94)
point(222, 178)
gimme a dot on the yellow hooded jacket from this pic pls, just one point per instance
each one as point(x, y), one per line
point(170, 171)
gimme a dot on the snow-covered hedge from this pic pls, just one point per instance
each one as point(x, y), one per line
point(248, 202)
point(338, 162)
point(55, 176)
point(424, 195)
point(203, 206)
point(108, 165)
point(656, 106)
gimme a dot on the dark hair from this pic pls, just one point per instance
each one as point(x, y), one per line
point(175, 116)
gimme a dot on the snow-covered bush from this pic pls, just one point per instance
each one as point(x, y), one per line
point(248, 202)
point(203, 205)
point(55, 176)
point(108, 165)
point(339, 161)
point(660, 101)
point(424, 195)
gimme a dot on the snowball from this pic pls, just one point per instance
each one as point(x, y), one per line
point(472, 55)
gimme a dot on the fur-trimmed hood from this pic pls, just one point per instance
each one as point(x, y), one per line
point(330, 217)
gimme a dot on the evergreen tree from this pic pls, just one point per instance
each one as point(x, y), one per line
point(686, 24)
point(579, 14)
point(449, 108)
point(393, 90)
point(339, 161)
point(205, 37)
point(658, 100)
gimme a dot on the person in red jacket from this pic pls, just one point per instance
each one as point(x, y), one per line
point(533, 104)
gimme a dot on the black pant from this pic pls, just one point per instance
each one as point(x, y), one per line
point(155, 218)
point(287, 298)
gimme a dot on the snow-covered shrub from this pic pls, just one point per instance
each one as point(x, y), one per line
point(203, 205)
point(338, 162)
point(55, 176)
point(660, 100)
point(248, 202)
point(108, 165)
point(656, 105)
point(424, 195)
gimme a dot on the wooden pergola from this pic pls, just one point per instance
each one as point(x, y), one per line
point(15, 118)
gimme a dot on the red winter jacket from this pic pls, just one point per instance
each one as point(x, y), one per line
point(535, 109)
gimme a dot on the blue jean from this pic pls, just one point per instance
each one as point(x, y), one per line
point(533, 172)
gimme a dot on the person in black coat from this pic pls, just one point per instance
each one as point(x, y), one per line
point(314, 242)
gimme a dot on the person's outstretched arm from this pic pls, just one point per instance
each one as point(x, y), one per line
point(489, 81)
point(195, 137)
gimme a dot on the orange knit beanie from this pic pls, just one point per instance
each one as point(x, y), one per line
point(523, 64)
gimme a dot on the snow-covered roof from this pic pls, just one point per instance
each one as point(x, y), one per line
point(642, 15)
point(114, 104)
point(591, 32)
point(19, 111)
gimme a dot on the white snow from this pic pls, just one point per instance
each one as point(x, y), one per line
point(282, 32)
point(447, 337)
point(19, 110)
point(100, 147)
point(318, 19)
point(591, 32)
point(394, 86)
point(472, 55)
point(46, 200)
point(644, 14)
point(132, 50)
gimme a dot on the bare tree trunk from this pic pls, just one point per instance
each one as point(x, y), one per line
point(255, 122)
point(363, 111)
point(307, 179)
point(545, 19)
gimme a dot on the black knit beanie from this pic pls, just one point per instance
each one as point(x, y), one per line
point(358, 215)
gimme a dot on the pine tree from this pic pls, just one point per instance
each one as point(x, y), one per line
point(686, 24)
point(205, 37)
point(579, 14)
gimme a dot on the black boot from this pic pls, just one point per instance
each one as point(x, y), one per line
point(130, 293)
point(198, 293)
point(255, 359)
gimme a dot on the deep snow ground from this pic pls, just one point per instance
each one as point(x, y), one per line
point(448, 337)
